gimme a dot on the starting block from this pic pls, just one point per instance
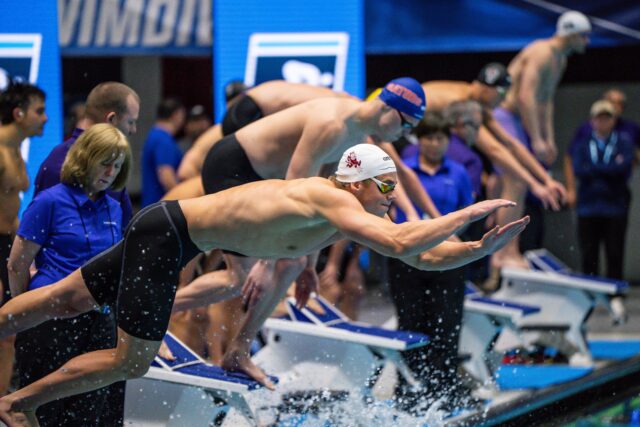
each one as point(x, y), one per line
point(484, 319)
point(566, 300)
point(310, 350)
point(188, 391)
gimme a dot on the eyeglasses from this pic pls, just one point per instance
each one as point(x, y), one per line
point(404, 122)
point(384, 187)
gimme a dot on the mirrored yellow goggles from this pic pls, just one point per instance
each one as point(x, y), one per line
point(384, 187)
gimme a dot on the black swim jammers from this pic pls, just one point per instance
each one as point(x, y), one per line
point(227, 166)
point(139, 276)
point(239, 114)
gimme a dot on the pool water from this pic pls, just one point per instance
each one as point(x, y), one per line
point(625, 413)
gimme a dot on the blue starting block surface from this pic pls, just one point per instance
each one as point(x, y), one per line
point(618, 349)
point(569, 280)
point(498, 306)
point(336, 325)
point(543, 260)
point(518, 377)
point(196, 370)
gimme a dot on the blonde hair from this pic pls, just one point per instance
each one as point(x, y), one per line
point(100, 143)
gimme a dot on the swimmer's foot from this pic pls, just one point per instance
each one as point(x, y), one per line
point(237, 360)
point(498, 262)
point(492, 282)
point(516, 261)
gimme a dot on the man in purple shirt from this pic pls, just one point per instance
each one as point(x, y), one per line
point(109, 102)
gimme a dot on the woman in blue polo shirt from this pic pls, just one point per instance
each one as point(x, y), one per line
point(430, 301)
point(62, 228)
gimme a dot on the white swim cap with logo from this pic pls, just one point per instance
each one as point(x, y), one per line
point(363, 161)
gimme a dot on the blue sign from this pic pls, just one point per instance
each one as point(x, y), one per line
point(318, 59)
point(19, 60)
point(29, 51)
point(319, 42)
point(126, 27)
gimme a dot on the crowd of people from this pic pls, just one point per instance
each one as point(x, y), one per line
point(434, 176)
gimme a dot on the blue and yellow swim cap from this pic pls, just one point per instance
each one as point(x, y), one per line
point(405, 95)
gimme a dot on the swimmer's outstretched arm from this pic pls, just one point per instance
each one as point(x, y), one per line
point(345, 213)
point(448, 255)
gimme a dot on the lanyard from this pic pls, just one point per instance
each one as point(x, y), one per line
point(607, 148)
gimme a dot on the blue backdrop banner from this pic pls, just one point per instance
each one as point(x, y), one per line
point(410, 26)
point(184, 27)
point(29, 51)
point(319, 42)
point(125, 27)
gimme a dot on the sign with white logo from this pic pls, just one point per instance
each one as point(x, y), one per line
point(318, 59)
point(29, 51)
point(318, 42)
point(19, 57)
point(19, 61)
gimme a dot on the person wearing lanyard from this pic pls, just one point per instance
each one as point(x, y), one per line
point(64, 227)
point(601, 162)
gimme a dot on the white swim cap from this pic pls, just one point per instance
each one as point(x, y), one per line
point(572, 22)
point(363, 161)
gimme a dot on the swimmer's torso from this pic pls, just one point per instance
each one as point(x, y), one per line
point(13, 180)
point(270, 142)
point(441, 93)
point(278, 95)
point(550, 64)
point(267, 219)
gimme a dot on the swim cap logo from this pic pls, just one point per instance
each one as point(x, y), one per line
point(404, 93)
point(352, 160)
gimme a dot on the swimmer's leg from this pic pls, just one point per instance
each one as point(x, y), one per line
point(238, 357)
point(130, 359)
point(509, 255)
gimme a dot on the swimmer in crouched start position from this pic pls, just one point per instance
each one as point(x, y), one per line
point(269, 219)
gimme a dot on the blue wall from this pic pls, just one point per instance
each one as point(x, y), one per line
point(39, 16)
point(234, 22)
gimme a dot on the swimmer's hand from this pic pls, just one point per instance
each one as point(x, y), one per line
point(259, 281)
point(497, 237)
point(485, 208)
point(306, 284)
point(164, 352)
point(545, 151)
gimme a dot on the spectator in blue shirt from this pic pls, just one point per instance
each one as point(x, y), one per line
point(109, 102)
point(431, 301)
point(161, 154)
point(601, 162)
point(62, 228)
